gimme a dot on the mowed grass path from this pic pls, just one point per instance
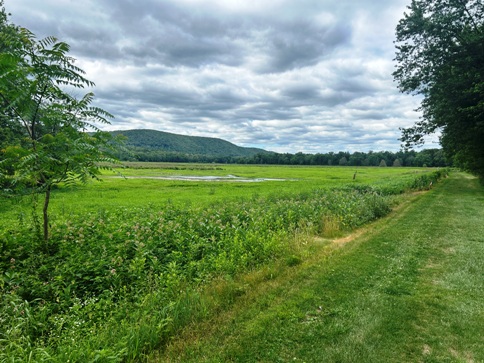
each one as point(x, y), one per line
point(409, 288)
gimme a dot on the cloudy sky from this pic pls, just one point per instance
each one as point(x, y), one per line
point(284, 75)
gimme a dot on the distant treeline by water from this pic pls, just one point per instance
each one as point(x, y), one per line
point(427, 158)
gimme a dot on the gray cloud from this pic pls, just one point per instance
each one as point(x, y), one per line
point(284, 75)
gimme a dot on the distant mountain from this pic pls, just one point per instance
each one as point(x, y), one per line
point(149, 141)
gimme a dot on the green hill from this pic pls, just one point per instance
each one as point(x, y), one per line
point(152, 141)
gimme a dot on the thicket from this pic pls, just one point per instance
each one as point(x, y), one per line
point(120, 283)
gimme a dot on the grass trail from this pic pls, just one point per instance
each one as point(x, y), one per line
point(408, 289)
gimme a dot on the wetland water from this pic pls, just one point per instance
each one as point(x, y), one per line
point(208, 178)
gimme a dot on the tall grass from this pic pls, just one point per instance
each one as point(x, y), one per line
point(407, 289)
point(119, 283)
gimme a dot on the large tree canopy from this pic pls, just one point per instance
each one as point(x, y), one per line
point(440, 55)
point(51, 136)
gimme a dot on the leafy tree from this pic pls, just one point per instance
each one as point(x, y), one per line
point(63, 144)
point(440, 53)
point(383, 162)
point(356, 159)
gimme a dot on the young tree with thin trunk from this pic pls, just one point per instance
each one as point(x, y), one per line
point(62, 142)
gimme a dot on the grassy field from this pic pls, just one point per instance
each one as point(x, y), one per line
point(408, 288)
point(143, 186)
point(133, 261)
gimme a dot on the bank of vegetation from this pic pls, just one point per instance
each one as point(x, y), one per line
point(119, 283)
point(407, 288)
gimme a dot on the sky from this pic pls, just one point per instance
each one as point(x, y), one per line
point(283, 75)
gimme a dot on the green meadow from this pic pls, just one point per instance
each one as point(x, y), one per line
point(152, 249)
point(406, 288)
point(141, 184)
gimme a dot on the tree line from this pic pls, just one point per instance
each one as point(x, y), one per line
point(440, 56)
point(426, 158)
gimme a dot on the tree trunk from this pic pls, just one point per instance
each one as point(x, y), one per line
point(46, 214)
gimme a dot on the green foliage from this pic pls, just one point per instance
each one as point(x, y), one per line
point(118, 248)
point(425, 181)
point(439, 55)
point(408, 290)
point(36, 79)
point(97, 267)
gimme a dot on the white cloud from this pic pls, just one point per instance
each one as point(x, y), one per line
point(285, 75)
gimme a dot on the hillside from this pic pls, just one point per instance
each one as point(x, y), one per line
point(147, 141)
